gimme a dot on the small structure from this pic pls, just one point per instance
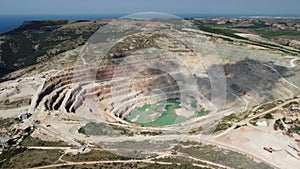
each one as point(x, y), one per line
point(295, 107)
point(25, 117)
point(4, 142)
point(288, 121)
point(269, 149)
point(262, 123)
point(82, 149)
point(36, 122)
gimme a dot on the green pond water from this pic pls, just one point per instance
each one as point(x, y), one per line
point(161, 113)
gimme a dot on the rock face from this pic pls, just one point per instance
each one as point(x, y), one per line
point(115, 80)
point(36, 41)
point(131, 81)
point(295, 44)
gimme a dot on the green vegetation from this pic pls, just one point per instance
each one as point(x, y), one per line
point(293, 126)
point(276, 33)
point(222, 126)
point(94, 128)
point(6, 155)
point(30, 141)
point(265, 107)
point(6, 104)
point(220, 31)
point(268, 116)
point(122, 130)
point(133, 165)
point(202, 113)
point(176, 159)
point(23, 158)
point(185, 165)
point(259, 27)
point(150, 133)
point(227, 122)
point(23, 46)
point(196, 130)
point(289, 104)
point(194, 104)
point(296, 129)
point(221, 156)
point(138, 149)
point(7, 122)
point(253, 121)
point(278, 124)
point(93, 155)
point(255, 25)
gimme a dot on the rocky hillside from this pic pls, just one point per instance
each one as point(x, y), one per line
point(35, 41)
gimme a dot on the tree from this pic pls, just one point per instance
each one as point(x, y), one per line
point(268, 116)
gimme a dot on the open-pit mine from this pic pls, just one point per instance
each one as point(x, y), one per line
point(153, 88)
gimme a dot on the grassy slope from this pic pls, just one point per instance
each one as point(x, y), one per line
point(18, 49)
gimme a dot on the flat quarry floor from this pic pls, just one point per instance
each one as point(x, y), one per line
point(252, 140)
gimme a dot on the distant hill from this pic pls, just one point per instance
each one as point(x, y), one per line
point(35, 41)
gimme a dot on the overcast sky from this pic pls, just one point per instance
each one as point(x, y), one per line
point(252, 7)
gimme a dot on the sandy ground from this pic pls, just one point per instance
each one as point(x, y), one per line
point(253, 140)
